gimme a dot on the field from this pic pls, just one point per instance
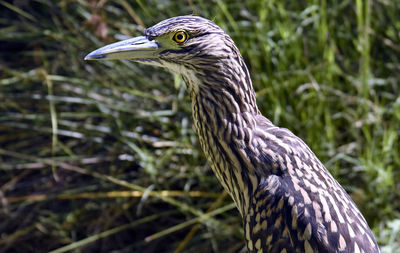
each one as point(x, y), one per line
point(103, 156)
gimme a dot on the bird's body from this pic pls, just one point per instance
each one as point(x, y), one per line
point(288, 200)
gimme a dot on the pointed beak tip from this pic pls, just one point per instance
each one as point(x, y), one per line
point(92, 56)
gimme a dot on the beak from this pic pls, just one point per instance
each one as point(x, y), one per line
point(131, 49)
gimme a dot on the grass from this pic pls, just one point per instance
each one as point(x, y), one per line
point(102, 156)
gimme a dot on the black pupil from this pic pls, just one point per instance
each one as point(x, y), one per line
point(179, 37)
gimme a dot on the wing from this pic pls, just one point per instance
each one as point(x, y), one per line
point(298, 202)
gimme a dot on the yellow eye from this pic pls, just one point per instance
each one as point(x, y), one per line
point(180, 37)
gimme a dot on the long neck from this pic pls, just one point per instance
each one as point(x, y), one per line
point(222, 93)
point(224, 109)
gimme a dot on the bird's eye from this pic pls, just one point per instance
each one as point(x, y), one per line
point(180, 37)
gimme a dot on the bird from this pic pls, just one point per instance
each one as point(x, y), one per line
point(288, 200)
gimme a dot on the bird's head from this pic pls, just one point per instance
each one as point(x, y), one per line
point(198, 49)
point(179, 43)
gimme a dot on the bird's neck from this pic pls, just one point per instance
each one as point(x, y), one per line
point(224, 109)
point(223, 86)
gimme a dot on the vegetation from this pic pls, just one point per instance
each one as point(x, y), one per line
point(102, 156)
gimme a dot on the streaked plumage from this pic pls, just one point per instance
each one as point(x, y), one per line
point(288, 200)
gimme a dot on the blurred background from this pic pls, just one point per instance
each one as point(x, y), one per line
point(103, 157)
